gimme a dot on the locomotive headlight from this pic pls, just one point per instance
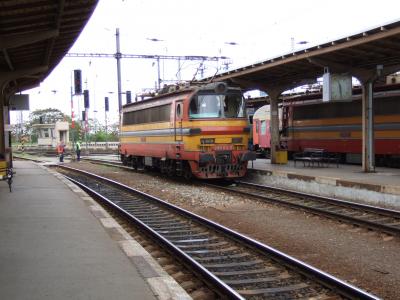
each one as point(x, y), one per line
point(220, 88)
point(207, 141)
point(237, 140)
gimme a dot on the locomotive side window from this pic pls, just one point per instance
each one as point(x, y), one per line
point(148, 115)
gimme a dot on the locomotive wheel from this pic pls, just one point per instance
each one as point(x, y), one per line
point(187, 172)
point(171, 171)
point(187, 175)
point(163, 167)
point(170, 168)
point(134, 163)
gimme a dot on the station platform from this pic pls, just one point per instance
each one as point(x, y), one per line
point(57, 243)
point(342, 181)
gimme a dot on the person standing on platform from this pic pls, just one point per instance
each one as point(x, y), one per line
point(78, 150)
point(61, 151)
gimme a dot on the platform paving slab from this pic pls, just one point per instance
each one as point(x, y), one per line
point(53, 247)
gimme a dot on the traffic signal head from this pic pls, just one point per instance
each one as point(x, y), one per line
point(86, 98)
point(106, 104)
point(78, 82)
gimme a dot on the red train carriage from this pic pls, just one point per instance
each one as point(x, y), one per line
point(261, 130)
point(195, 130)
point(337, 127)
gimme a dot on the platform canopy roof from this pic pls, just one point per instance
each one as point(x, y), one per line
point(34, 37)
point(358, 55)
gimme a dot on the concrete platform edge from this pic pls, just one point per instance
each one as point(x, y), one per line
point(386, 189)
point(161, 283)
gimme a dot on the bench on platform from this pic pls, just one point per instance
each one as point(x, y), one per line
point(315, 156)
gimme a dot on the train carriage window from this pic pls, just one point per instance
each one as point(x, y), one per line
point(263, 127)
point(327, 110)
point(387, 106)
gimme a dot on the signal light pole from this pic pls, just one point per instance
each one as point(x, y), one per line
point(118, 58)
point(106, 108)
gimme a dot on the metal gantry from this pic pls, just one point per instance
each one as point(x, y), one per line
point(118, 55)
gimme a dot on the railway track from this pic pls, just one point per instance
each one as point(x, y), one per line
point(371, 217)
point(366, 216)
point(27, 158)
point(232, 265)
point(106, 162)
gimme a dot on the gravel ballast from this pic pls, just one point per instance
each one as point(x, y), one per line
point(369, 260)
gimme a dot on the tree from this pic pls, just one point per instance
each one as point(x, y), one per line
point(113, 131)
point(99, 136)
point(46, 116)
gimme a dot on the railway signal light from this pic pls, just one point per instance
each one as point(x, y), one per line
point(128, 97)
point(106, 104)
point(83, 115)
point(78, 82)
point(86, 98)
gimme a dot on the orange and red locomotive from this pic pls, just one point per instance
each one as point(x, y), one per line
point(199, 131)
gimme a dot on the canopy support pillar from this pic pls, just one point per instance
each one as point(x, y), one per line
point(368, 145)
point(274, 123)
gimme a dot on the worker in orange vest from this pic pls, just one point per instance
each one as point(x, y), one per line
point(61, 151)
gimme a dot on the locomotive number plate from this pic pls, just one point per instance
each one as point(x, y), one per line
point(224, 147)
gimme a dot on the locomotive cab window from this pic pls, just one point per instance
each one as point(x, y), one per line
point(205, 106)
point(233, 106)
point(216, 106)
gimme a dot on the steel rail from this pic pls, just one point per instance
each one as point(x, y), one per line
point(338, 286)
point(392, 230)
point(224, 290)
point(28, 158)
point(116, 163)
point(333, 201)
point(388, 212)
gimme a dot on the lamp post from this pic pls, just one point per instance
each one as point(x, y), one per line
point(158, 62)
point(292, 43)
point(227, 62)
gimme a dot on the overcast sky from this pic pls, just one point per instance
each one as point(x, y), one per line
point(244, 31)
